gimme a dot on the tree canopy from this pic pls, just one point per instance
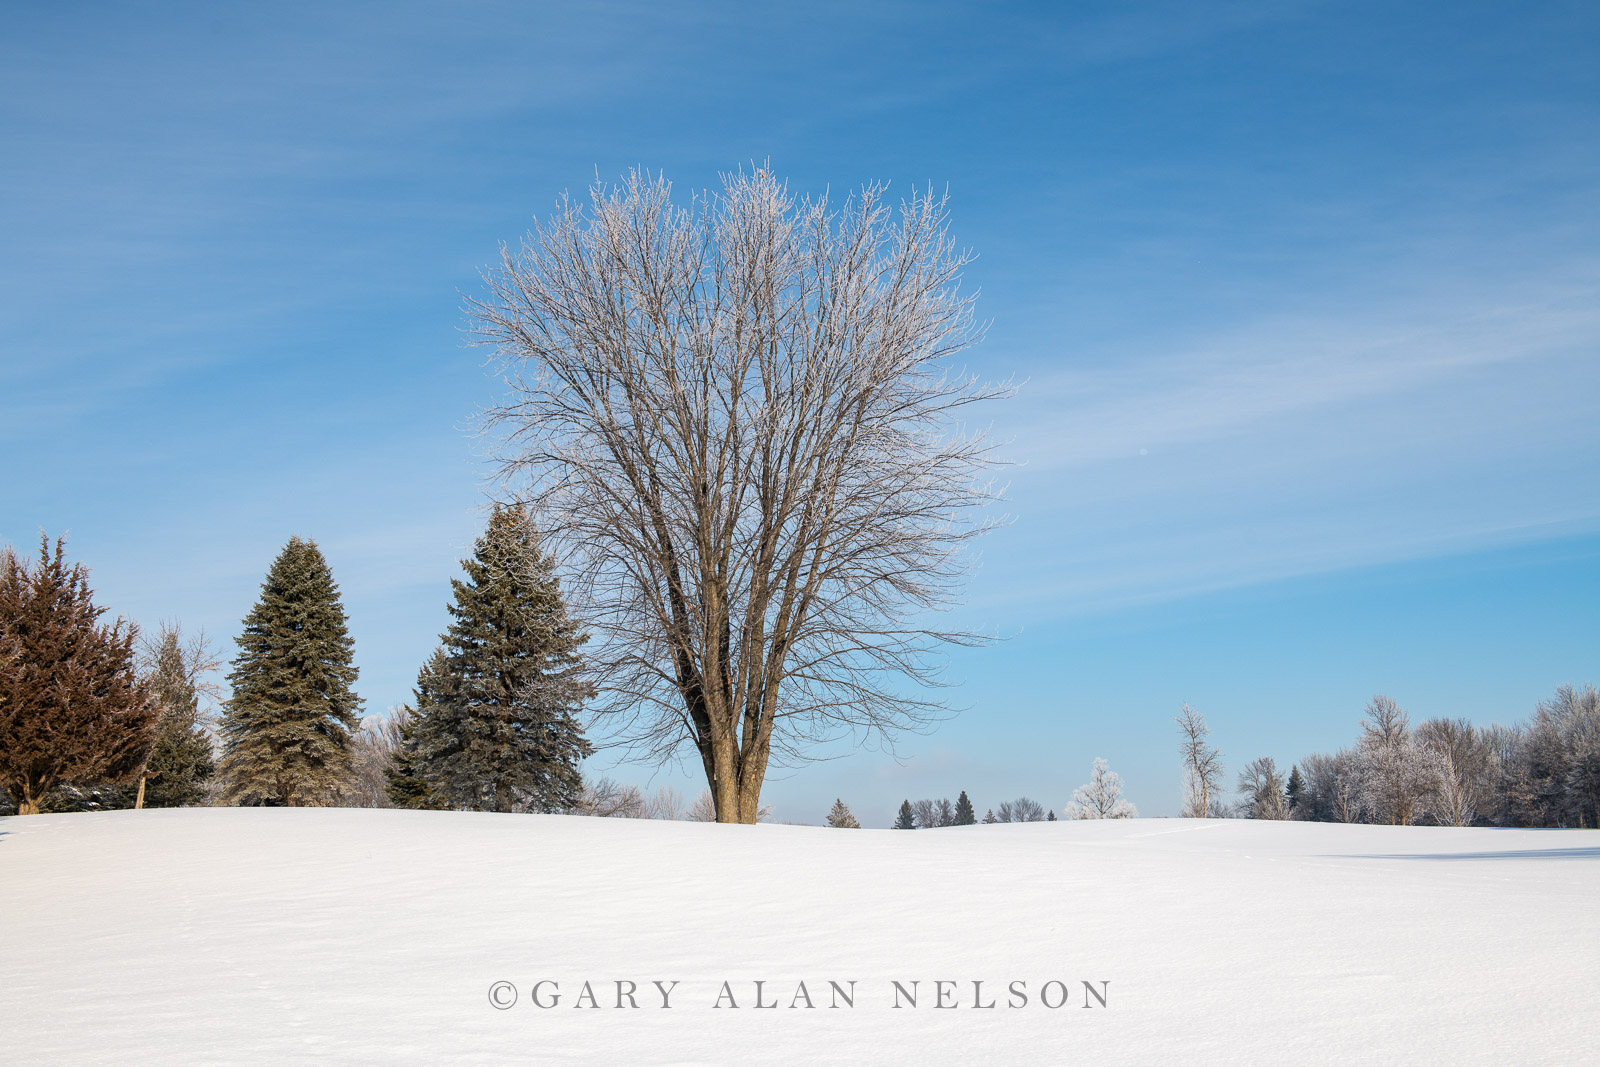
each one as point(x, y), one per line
point(72, 705)
point(740, 429)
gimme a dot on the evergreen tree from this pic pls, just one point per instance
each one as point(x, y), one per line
point(841, 818)
point(905, 820)
point(496, 726)
point(72, 706)
point(989, 818)
point(181, 762)
point(964, 812)
point(406, 784)
point(1051, 817)
point(1296, 786)
point(286, 728)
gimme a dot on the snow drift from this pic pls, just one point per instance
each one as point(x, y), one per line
point(273, 936)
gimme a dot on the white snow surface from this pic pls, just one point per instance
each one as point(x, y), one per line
point(278, 936)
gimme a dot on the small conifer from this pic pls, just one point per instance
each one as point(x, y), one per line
point(181, 763)
point(1296, 786)
point(407, 786)
point(841, 818)
point(905, 820)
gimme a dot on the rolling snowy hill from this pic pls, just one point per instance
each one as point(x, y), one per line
point(257, 936)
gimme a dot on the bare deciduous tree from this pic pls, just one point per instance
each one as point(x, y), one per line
point(1347, 796)
point(372, 753)
point(1513, 794)
point(1202, 764)
point(1332, 790)
point(604, 798)
point(1020, 810)
point(1562, 755)
point(1101, 797)
point(736, 422)
point(1463, 763)
point(667, 803)
point(1396, 775)
point(1262, 786)
point(932, 814)
point(704, 809)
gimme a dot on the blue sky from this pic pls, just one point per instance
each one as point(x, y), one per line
point(1304, 297)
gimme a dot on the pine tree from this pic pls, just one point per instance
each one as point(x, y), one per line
point(1296, 786)
point(964, 813)
point(989, 818)
point(72, 707)
point(841, 818)
point(905, 820)
point(1051, 817)
point(286, 728)
point(497, 726)
point(181, 762)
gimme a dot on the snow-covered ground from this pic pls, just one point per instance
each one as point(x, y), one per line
point(238, 936)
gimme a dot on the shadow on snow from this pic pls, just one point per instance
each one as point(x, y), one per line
point(1517, 854)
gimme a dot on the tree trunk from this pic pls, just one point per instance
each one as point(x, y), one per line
point(750, 792)
point(27, 807)
point(725, 763)
point(735, 773)
point(138, 801)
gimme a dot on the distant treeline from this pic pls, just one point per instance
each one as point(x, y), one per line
point(1442, 772)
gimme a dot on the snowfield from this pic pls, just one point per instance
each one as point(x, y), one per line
point(273, 936)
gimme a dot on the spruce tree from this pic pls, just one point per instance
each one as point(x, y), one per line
point(1051, 817)
point(286, 728)
point(1295, 787)
point(841, 817)
point(497, 726)
point(407, 786)
point(989, 818)
point(181, 763)
point(72, 706)
point(906, 820)
point(964, 813)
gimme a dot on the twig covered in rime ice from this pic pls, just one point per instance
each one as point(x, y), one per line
point(737, 424)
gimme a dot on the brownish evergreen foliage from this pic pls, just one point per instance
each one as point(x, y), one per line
point(72, 705)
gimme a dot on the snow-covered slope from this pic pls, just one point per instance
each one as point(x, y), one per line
point(374, 937)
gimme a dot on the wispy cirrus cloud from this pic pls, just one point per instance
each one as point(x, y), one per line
point(1294, 367)
point(1307, 443)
